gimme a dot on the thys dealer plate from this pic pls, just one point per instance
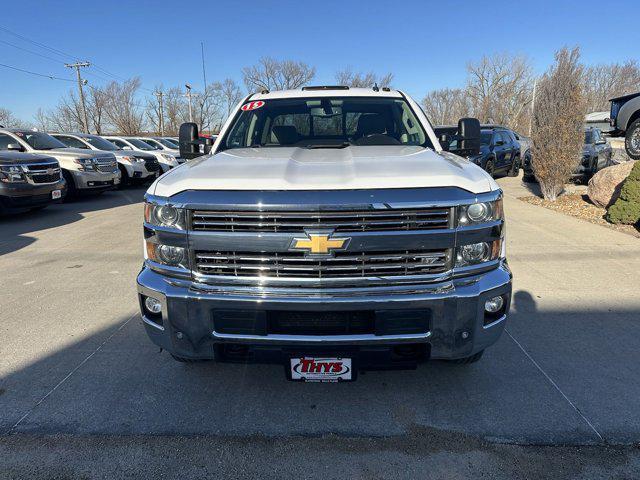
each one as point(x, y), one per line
point(315, 369)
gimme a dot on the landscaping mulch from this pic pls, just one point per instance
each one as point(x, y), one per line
point(579, 206)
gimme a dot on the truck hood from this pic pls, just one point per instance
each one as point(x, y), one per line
point(8, 158)
point(354, 167)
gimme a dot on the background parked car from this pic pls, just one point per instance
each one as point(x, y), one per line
point(596, 155)
point(133, 166)
point(162, 145)
point(625, 120)
point(167, 161)
point(499, 151)
point(84, 172)
point(29, 181)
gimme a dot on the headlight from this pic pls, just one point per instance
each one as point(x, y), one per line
point(167, 255)
point(165, 216)
point(132, 159)
point(169, 158)
point(476, 253)
point(86, 164)
point(12, 174)
point(480, 212)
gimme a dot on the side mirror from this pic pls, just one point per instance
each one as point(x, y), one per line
point(602, 141)
point(15, 146)
point(499, 143)
point(469, 135)
point(189, 141)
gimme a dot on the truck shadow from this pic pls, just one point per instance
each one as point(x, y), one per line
point(516, 394)
point(15, 228)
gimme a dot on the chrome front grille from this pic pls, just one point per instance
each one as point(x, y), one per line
point(337, 220)
point(106, 165)
point(42, 172)
point(341, 265)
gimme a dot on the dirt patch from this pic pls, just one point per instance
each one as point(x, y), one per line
point(579, 206)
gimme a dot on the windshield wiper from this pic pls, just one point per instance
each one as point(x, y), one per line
point(329, 145)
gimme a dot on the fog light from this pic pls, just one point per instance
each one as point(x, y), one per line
point(494, 305)
point(153, 305)
point(170, 255)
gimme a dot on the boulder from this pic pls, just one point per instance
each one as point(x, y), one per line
point(604, 186)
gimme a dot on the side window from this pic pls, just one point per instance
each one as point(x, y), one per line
point(5, 140)
point(118, 143)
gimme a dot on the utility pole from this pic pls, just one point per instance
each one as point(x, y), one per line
point(188, 95)
point(77, 66)
point(533, 105)
point(159, 94)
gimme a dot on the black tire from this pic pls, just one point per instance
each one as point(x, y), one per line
point(72, 191)
point(125, 180)
point(514, 171)
point(490, 167)
point(467, 360)
point(529, 179)
point(632, 140)
point(186, 360)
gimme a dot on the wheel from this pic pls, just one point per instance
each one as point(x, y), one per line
point(468, 360)
point(514, 171)
point(125, 180)
point(529, 178)
point(72, 191)
point(186, 360)
point(490, 167)
point(632, 140)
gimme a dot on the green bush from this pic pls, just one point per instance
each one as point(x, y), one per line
point(626, 208)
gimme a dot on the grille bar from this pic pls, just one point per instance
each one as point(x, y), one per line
point(343, 264)
point(340, 221)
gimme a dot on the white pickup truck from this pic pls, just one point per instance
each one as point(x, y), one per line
point(328, 231)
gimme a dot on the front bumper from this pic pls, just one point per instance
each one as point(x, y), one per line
point(95, 181)
point(457, 326)
point(29, 195)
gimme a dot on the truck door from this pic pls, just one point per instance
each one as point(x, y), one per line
point(499, 150)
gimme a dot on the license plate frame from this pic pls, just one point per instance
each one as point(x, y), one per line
point(320, 369)
point(56, 194)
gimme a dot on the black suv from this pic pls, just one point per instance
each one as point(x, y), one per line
point(29, 181)
point(499, 151)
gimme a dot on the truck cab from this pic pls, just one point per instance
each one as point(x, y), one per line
point(625, 121)
point(326, 230)
point(83, 172)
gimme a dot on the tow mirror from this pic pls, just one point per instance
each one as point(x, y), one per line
point(189, 141)
point(15, 146)
point(469, 137)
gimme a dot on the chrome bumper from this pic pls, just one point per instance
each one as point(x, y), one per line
point(458, 327)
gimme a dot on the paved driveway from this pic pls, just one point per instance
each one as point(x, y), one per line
point(75, 364)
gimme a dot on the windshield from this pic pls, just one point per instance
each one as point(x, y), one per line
point(40, 140)
point(325, 123)
point(166, 143)
point(139, 144)
point(101, 144)
point(152, 143)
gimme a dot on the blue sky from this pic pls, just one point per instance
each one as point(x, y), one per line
point(426, 45)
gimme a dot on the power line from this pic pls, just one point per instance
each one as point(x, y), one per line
point(52, 77)
point(30, 51)
point(51, 49)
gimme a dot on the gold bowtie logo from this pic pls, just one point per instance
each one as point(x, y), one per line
point(318, 243)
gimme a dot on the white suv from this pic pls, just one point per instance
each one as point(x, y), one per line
point(167, 161)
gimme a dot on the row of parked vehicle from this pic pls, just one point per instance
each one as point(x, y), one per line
point(504, 152)
point(38, 168)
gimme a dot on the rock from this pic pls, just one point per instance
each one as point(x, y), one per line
point(604, 187)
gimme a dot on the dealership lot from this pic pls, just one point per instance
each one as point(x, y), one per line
point(75, 361)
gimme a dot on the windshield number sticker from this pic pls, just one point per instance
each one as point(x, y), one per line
point(252, 106)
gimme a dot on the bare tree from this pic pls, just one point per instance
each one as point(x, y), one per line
point(603, 82)
point(96, 108)
point(8, 119)
point(230, 94)
point(67, 115)
point(447, 106)
point(500, 89)
point(42, 121)
point(272, 74)
point(125, 115)
point(175, 110)
point(362, 80)
point(557, 128)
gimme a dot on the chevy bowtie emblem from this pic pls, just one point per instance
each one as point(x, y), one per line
point(319, 243)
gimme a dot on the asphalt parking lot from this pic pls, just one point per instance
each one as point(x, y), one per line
point(82, 390)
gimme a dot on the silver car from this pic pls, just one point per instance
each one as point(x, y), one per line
point(83, 171)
